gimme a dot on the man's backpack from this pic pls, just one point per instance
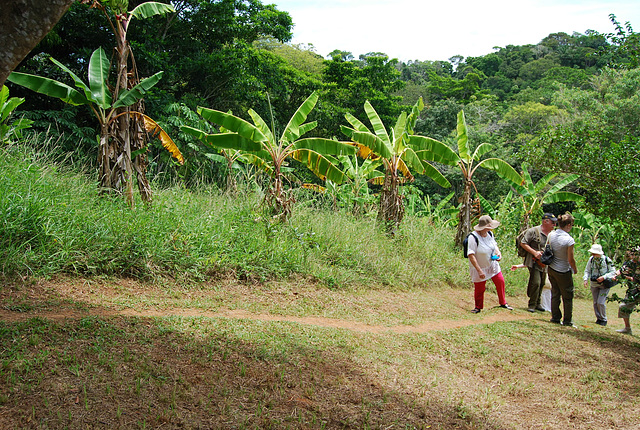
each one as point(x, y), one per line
point(465, 243)
point(519, 249)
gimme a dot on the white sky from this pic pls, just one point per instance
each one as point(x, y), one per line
point(439, 29)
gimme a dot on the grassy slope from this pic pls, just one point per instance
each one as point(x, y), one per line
point(399, 357)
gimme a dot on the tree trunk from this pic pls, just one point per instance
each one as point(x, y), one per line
point(464, 216)
point(469, 210)
point(23, 24)
point(128, 133)
point(391, 209)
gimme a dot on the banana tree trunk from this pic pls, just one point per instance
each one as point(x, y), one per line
point(391, 209)
point(464, 216)
point(232, 184)
point(130, 132)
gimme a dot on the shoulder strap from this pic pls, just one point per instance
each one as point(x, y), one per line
point(473, 233)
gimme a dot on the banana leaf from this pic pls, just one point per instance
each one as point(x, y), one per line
point(98, 77)
point(319, 165)
point(325, 146)
point(262, 126)
point(291, 131)
point(49, 87)
point(223, 140)
point(462, 138)
point(355, 122)
point(234, 124)
point(376, 123)
point(151, 8)
point(377, 145)
point(156, 131)
point(502, 169)
point(129, 97)
point(76, 79)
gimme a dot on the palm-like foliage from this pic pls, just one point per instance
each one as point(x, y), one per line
point(359, 175)
point(468, 162)
point(260, 147)
point(123, 144)
point(401, 153)
point(534, 195)
point(115, 167)
point(7, 106)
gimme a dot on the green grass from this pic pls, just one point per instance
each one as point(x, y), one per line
point(55, 222)
point(175, 371)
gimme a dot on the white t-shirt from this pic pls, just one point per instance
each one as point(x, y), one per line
point(483, 249)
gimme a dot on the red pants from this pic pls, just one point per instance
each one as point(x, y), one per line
point(480, 287)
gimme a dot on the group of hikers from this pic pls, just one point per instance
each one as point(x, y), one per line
point(553, 236)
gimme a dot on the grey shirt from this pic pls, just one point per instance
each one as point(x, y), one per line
point(560, 242)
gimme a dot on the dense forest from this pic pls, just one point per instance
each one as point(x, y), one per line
point(567, 105)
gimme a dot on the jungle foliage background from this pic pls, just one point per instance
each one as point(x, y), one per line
point(566, 105)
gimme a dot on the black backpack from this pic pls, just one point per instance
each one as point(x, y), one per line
point(465, 243)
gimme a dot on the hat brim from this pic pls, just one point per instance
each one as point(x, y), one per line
point(493, 224)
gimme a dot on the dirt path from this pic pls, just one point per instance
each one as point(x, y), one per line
point(58, 300)
point(61, 315)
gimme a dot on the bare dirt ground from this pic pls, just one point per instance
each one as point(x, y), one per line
point(103, 305)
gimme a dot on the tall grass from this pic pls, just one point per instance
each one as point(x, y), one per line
point(55, 222)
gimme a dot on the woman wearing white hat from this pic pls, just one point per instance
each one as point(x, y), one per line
point(598, 270)
point(484, 254)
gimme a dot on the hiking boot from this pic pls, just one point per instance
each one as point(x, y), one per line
point(626, 330)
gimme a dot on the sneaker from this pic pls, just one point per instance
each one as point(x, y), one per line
point(531, 310)
point(626, 330)
point(506, 306)
point(601, 322)
point(541, 309)
point(569, 324)
point(476, 311)
point(554, 321)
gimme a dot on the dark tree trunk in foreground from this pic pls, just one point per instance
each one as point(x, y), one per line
point(23, 24)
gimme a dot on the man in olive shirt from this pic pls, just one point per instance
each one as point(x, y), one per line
point(533, 242)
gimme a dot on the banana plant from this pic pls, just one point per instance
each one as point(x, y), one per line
point(534, 195)
point(127, 131)
point(468, 162)
point(7, 106)
point(115, 167)
point(400, 152)
point(260, 147)
point(359, 174)
point(440, 213)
